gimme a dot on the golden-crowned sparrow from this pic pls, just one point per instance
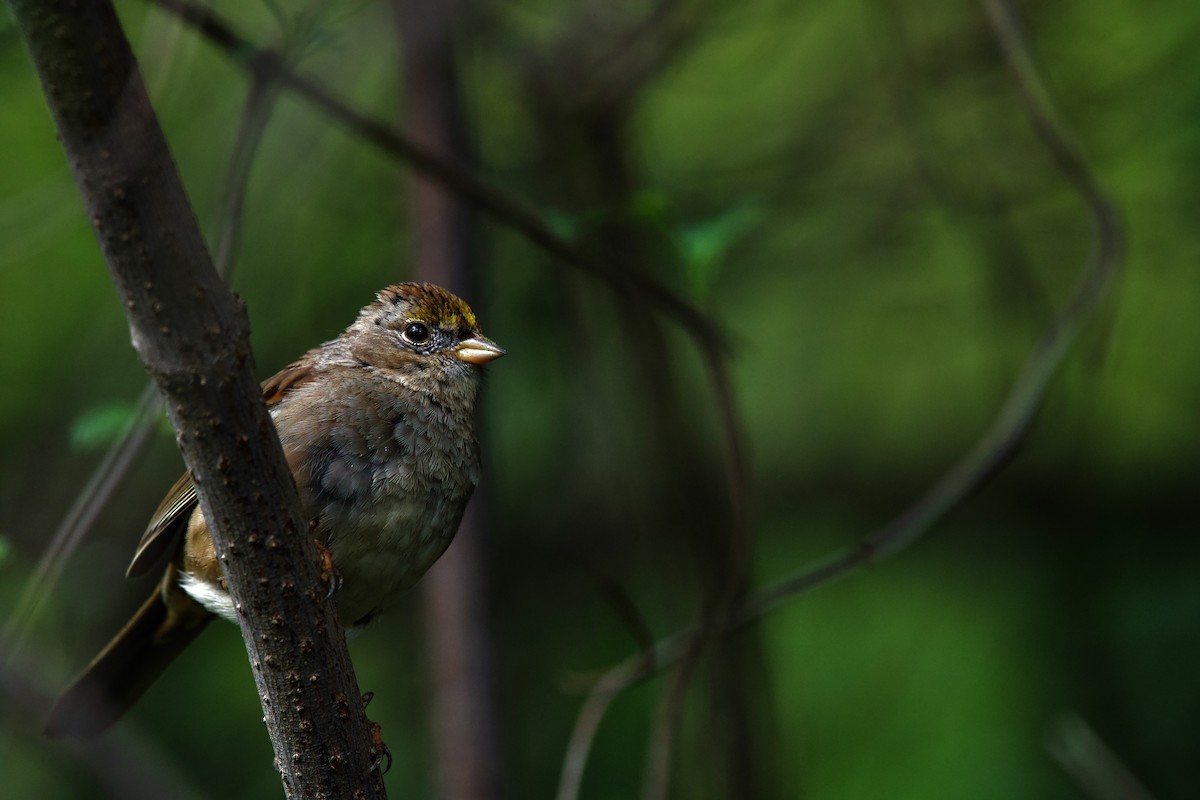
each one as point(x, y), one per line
point(377, 426)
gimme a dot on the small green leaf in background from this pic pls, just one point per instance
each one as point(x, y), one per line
point(649, 206)
point(703, 245)
point(5, 549)
point(564, 225)
point(100, 426)
point(308, 29)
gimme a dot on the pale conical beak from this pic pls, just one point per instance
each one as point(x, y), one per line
point(478, 350)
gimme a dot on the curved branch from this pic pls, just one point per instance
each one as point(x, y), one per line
point(500, 206)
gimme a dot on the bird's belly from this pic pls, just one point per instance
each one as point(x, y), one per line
point(384, 548)
point(377, 553)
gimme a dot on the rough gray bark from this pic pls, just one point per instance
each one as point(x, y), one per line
point(192, 335)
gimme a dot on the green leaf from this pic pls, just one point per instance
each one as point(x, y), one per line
point(564, 225)
point(649, 206)
point(703, 245)
point(100, 426)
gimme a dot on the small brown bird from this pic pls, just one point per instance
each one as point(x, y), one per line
point(377, 426)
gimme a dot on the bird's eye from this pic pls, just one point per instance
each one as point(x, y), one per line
point(416, 332)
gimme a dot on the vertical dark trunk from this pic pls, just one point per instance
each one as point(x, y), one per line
point(443, 251)
point(582, 127)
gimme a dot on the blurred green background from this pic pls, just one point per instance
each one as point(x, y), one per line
point(853, 192)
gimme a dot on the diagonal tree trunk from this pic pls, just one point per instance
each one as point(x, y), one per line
point(193, 337)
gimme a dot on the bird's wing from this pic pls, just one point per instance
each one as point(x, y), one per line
point(288, 378)
point(169, 522)
point(166, 526)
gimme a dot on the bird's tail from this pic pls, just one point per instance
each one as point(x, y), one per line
point(126, 667)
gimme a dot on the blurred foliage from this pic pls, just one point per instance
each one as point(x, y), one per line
point(853, 191)
point(99, 426)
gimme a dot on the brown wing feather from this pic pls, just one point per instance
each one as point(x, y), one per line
point(282, 382)
point(166, 527)
point(169, 521)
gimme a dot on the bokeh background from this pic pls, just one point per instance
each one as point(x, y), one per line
point(852, 191)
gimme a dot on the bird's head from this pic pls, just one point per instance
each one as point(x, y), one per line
point(423, 333)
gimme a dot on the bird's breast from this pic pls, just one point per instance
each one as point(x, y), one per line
point(386, 478)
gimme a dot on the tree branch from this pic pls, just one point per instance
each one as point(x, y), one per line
point(192, 335)
point(500, 206)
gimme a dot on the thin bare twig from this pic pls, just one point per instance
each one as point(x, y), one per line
point(603, 692)
point(582, 734)
point(1095, 767)
point(670, 712)
point(619, 601)
point(982, 461)
point(256, 113)
point(80, 518)
point(737, 477)
point(616, 680)
point(726, 596)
